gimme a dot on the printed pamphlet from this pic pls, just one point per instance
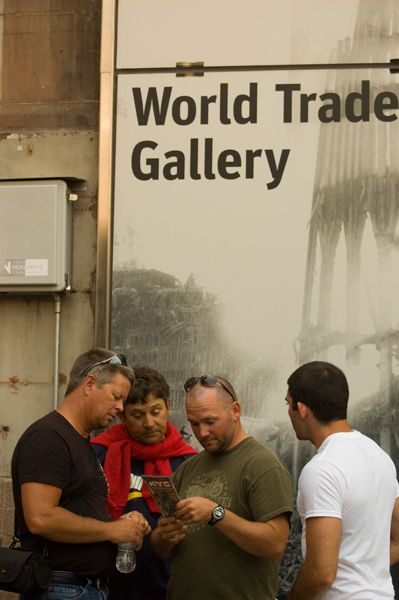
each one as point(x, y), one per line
point(163, 492)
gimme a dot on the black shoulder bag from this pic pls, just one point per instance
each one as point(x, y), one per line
point(23, 570)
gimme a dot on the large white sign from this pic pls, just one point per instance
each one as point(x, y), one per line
point(155, 33)
point(255, 211)
point(227, 180)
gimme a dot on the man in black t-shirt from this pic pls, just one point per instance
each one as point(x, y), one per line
point(59, 487)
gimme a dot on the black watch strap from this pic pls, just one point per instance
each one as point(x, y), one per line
point(217, 514)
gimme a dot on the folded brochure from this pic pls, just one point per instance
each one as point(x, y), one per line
point(163, 492)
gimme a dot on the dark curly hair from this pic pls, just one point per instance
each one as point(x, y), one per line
point(147, 381)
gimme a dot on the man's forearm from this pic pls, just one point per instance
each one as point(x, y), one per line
point(61, 525)
point(267, 540)
point(394, 549)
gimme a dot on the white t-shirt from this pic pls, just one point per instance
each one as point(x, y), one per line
point(353, 479)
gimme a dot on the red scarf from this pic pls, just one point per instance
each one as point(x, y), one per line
point(121, 448)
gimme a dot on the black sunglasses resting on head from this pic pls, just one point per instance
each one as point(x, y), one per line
point(116, 359)
point(206, 381)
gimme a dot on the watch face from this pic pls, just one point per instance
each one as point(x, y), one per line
point(218, 512)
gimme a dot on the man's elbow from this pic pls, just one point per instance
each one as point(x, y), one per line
point(277, 551)
point(37, 529)
point(280, 544)
point(36, 525)
point(324, 578)
point(394, 552)
point(280, 552)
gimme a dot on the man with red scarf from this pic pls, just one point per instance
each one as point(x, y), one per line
point(145, 443)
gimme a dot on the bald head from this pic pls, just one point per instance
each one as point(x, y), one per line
point(214, 417)
point(225, 393)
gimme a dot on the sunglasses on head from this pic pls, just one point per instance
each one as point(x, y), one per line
point(116, 359)
point(206, 381)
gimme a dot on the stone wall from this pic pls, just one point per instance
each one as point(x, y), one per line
point(49, 110)
point(6, 522)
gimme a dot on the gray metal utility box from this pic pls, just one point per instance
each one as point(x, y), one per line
point(35, 237)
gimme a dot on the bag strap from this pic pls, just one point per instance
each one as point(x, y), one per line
point(19, 537)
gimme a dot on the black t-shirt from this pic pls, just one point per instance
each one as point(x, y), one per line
point(52, 452)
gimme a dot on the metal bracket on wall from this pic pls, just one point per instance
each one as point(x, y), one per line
point(190, 69)
point(394, 68)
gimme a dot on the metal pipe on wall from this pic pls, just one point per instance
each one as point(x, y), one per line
point(57, 310)
point(104, 266)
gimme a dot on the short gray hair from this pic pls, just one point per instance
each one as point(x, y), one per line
point(103, 373)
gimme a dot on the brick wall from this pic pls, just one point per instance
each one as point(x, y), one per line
point(6, 523)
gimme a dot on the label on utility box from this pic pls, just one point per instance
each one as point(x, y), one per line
point(26, 267)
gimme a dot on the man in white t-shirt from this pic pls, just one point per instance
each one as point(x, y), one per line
point(347, 495)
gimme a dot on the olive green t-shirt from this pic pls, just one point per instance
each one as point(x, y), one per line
point(252, 482)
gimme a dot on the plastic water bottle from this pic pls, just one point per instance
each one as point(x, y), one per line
point(126, 557)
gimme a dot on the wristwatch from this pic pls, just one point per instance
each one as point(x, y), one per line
point(217, 514)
